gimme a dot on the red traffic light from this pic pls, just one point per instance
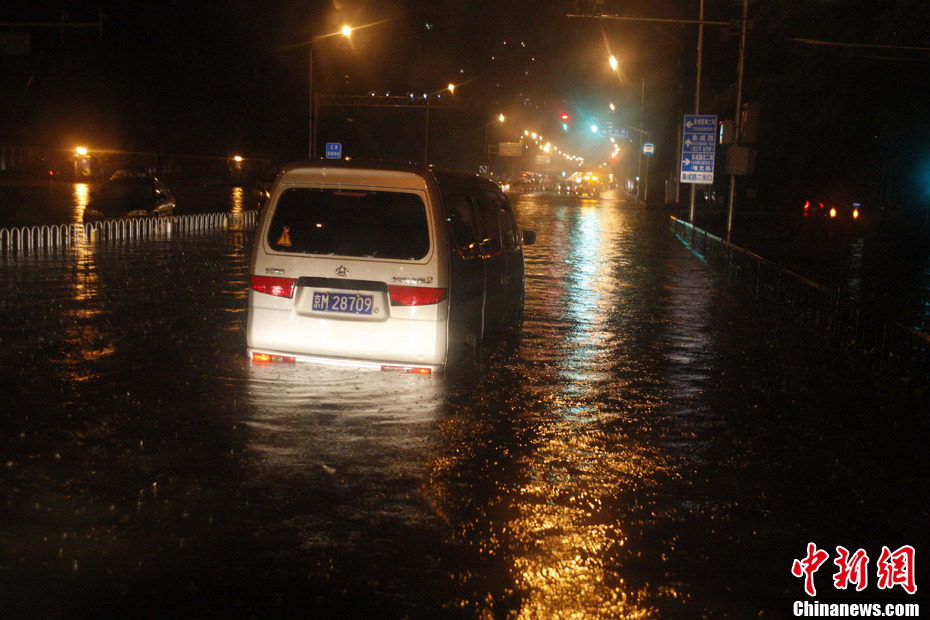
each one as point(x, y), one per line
point(565, 118)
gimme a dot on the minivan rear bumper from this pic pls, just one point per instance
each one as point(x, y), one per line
point(396, 342)
point(350, 363)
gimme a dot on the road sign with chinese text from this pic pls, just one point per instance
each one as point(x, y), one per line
point(698, 147)
point(333, 150)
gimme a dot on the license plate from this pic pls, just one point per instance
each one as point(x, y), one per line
point(346, 303)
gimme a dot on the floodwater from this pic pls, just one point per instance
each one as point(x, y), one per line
point(652, 445)
point(43, 203)
point(882, 263)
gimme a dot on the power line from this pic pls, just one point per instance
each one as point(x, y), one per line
point(863, 45)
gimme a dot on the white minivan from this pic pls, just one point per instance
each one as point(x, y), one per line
point(388, 266)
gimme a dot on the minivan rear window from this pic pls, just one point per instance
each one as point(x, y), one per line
point(344, 222)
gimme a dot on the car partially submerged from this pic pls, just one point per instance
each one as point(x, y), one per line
point(385, 266)
point(130, 194)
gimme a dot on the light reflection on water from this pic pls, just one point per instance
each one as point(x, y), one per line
point(81, 199)
point(553, 520)
point(522, 487)
point(563, 476)
point(305, 407)
point(361, 431)
point(237, 199)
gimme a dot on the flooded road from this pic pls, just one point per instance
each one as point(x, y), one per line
point(653, 444)
point(46, 203)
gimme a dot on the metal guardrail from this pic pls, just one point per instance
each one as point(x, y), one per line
point(59, 236)
point(885, 346)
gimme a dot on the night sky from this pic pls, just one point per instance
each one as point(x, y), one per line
point(215, 78)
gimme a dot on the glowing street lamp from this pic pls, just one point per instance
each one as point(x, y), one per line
point(451, 89)
point(615, 65)
point(487, 145)
point(346, 31)
point(81, 162)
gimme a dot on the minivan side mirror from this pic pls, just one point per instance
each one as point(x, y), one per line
point(529, 237)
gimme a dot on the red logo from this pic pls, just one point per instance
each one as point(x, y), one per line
point(808, 566)
point(894, 568)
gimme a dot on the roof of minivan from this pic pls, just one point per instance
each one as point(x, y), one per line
point(428, 173)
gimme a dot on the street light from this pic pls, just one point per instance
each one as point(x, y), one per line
point(615, 65)
point(345, 31)
point(487, 145)
point(451, 89)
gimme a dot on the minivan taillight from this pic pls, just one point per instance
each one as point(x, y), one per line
point(409, 370)
point(415, 295)
point(279, 287)
point(268, 357)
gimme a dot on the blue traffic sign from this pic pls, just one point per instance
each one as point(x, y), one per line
point(698, 147)
point(649, 148)
point(333, 150)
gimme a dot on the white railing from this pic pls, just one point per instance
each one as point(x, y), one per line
point(57, 236)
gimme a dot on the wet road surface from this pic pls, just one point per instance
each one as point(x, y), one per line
point(653, 444)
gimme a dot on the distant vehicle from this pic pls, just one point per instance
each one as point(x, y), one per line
point(382, 266)
point(129, 194)
point(834, 210)
point(586, 189)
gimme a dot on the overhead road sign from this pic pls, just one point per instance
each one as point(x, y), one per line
point(510, 149)
point(616, 132)
point(698, 147)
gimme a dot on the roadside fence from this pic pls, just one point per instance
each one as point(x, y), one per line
point(60, 236)
point(887, 347)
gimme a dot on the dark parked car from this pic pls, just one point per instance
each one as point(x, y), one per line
point(129, 195)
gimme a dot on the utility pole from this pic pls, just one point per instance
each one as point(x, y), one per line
point(738, 124)
point(697, 99)
point(697, 89)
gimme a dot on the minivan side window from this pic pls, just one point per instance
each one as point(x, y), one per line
point(460, 214)
point(509, 230)
point(490, 233)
